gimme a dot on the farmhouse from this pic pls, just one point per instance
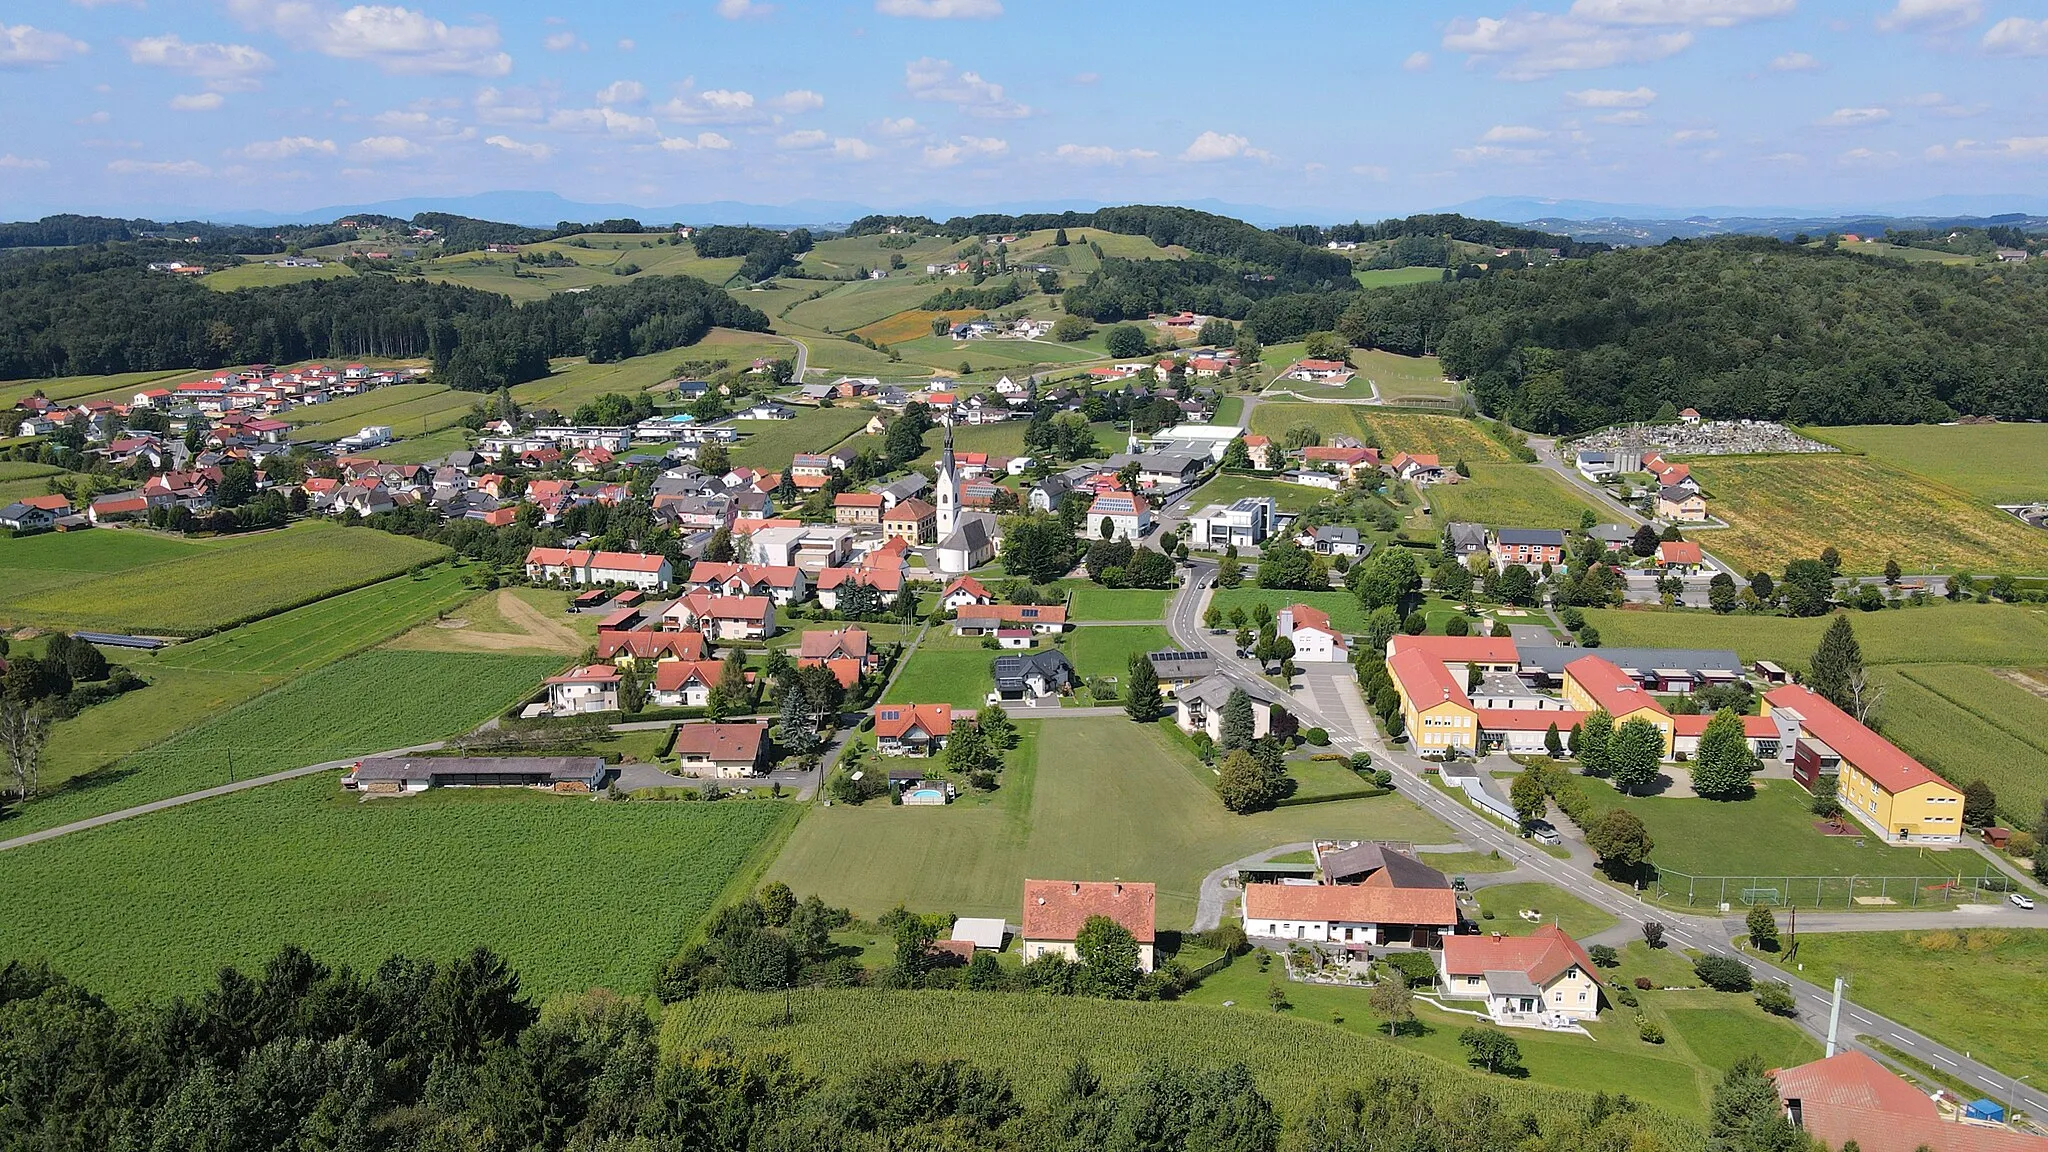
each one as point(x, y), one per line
point(386, 774)
point(579, 567)
point(1315, 642)
point(1055, 911)
point(1534, 980)
point(724, 751)
point(912, 729)
point(1895, 795)
point(1379, 912)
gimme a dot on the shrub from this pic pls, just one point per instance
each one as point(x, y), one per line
point(1317, 736)
point(1604, 955)
point(1650, 1033)
point(1417, 967)
point(1643, 982)
point(2021, 845)
point(1456, 626)
point(1625, 996)
point(1653, 933)
point(1723, 974)
point(1775, 997)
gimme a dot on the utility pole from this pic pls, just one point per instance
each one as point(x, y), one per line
point(1835, 1015)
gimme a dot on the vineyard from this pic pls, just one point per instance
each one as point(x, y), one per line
point(1035, 1039)
point(1783, 508)
point(572, 892)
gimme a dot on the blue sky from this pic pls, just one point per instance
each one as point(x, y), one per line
point(1362, 108)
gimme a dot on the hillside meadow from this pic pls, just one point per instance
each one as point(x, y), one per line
point(1996, 463)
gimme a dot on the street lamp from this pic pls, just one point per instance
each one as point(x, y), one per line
point(2013, 1102)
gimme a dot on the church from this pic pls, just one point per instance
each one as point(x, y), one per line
point(967, 540)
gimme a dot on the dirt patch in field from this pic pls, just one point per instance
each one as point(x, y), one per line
point(2031, 681)
point(520, 628)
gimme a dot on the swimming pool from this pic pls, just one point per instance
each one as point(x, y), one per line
point(927, 796)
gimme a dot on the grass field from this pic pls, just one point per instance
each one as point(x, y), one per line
point(258, 274)
point(505, 620)
point(574, 381)
point(1509, 495)
point(1097, 799)
point(1451, 437)
point(1996, 463)
point(1397, 277)
point(848, 254)
point(945, 669)
point(154, 906)
point(1091, 601)
point(1293, 1056)
point(121, 385)
point(991, 357)
point(22, 470)
point(424, 448)
point(234, 579)
point(407, 409)
point(1970, 723)
point(1506, 901)
point(1910, 255)
point(1345, 613)
point(768, 444)
point(1966, 988)
point(861, 303)
point(595, 255)
point(1999, 635)
point(1287, 497)
point(1782, 508)
point(1107, 651)
point(29, 564)
point(911, 324)
point(363, 406)
point(367, 703)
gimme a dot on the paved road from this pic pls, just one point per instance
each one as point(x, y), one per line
point(1329, 699)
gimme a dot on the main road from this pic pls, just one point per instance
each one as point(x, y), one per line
point(1329, 699)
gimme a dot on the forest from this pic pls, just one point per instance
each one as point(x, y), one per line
point(1737, 327)
point(1447, 226)
point(99, 310)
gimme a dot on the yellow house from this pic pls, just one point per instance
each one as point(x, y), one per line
point(1591, 683)
point(1895, 795)
point(1681, 505)
point(1434, 706)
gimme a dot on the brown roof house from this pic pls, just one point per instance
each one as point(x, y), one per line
point(723, 750)
point(1055, 910)
point(1535, 980)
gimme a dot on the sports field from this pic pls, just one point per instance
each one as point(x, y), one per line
point(2004, 635)
point(575, 894)
point(1086, 799)
point(1996, 463)
point(1509, 495)
point(1782, 508)
point(136, 581)
point(1970, 723)
point(1451, 437)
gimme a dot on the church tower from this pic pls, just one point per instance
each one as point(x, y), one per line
point(946, 492)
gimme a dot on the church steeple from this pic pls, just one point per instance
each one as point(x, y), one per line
point(946, 492)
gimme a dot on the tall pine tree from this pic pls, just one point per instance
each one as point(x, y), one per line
point(1836, 664)
point(1142, 702)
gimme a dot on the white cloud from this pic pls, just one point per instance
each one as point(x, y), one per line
point(938, 81)
point(562, 42)
point(22, 46)
point(1931, 15)
point(397, 39)
point(1796, 62)
point(1690, 13)
point(2012, 36)
point(1212, 146)
point(285, 147)
point(384, 148)
point(1612, 97)
point(10, 160)
point(1597, 33)
point(531, 151)
point(798, 100)
point(224, 67)
point(941, 9)
point(854, 148)
point(1416, 62)
point(1784, 158)
point(965, 148)
point(1854, 117)
point(622, 92)
point(717, 106)
point(198, 102)
point(705, 141)
point(2010, 148)
point(1098, 155)
point(159, 168)
point(808, 138)
point(742, 9)
point(496, 107)
point(900, 126)
point(1512, 134)
point(1867, 156)
point(1624, 119)
point(1372, 172)
point(1694, 135)
point(610, 121)
point(1493, 153)
point(1084, 79)
point(626, 44)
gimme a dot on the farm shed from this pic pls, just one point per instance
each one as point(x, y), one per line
point(419, 773)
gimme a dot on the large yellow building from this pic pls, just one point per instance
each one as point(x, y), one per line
point(1591, 683)
point(1887, 790)
point(1438, 714)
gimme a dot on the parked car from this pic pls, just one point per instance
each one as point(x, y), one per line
point(2023, 900)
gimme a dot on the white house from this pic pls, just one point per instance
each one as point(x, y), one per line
point(1245, 521)
point(1357, 916)
point(1129, 516)
point(1056, 910)
point(1315, 642)
point(1199, 708)
point(589, 566)
point(590, 689)
point(1535, 980)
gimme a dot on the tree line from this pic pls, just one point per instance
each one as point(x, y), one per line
point(1446, 225)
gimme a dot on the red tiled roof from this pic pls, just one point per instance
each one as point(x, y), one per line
point(1871, 754)
point(1753, 726)
point(967, 584)
point(1542, 955)
point(1056, 909)
point(1527, 719)
point(54, 502)
point(651, 645)
point(844, 670)
point(722, 741)
point(818, 645)
point(857, 500)
point(897, 719)
point(1357, 903)
point(1427, 682)
point(1317, 454)
point(594, 673)
point(1610, 687)
point(1307, 617)
point(1014, 613)
point(1460, 649)
point(1678, 552)
point(578, 557)
point(675, 674)
point(1850, 1096)
point(911, 509)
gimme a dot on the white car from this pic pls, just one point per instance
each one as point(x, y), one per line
point(2023, 900)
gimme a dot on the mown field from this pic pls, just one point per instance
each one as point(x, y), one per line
point(1396, 277)
point(1294, 1058)
point(945, 669)
point(1287, 497)
point(1999, 635)
point(768, 444)
point(121, 386)
point(1783, 508)
point(848, 254)
point(1451, 437)
point(573, 382)
point(574, 893)
point(257, 274)
point(1509, 495)
point(1971, 723)
point(136, 584)
point(370, 702)
point(1085, 799)
point(364, 405)
point(595, 257)
point(1107, 651)
point(1965, 987)
point(1345, 613)
point(1996, 463)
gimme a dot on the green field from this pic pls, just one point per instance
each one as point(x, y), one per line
point(1107, 651)
point(364, 405)
point(848, 254)
point(22, 470)
point(425, 448)
point(769, 444)
point(1097, 799)
point(1287, 497)
point(1451, 437)
point(1509, 495)
point(1578, 918)
point(1345, 613)
point(945, 669)
point(573, 382)
point(858, 304)
point(1397, 377)
point(1091, 601)
point(573, 893)
point(1397, 277)
point(1996, 463)
point(595, 256)
point(370, 702)
point(134, 585)
point(1971, 723)
point(1293, 1056)
point(1989, 634)
point(119, 386)
point(1966, 988)
point(1782, 508)
point(257, 274)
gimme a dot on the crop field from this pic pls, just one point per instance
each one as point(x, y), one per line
point(1782, 508)
point(1293, 1058)
point(769, 444)
point(153, 906)
point(121, 385)
point(1083, 798)
point(1508, 495)
point(1996, 463)
point(370, 702)
point(494, 272)
point(911, 324)
point(416, 417)
point(364, 406)
point(1970, 723)
point(1396, 277)
point(1107, 651)
point(1998, 635)
point(241, 578)
point(1451, 437)
point(1345, 613)
point(258, 274)
point(865, 302)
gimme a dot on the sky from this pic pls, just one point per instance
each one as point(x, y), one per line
point(1361, 108)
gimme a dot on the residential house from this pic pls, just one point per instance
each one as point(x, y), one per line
point(857, 508)
point(725, 751)
point(1338, 540)
point(785, 584)
point(1422, 468)
point(24, 517)
point(1129, 516)
point(1885, 789)
point(1260, 449)
point(1851, 1099)
point(1679, 557)
point(1466, 539)
point(580, 567)
point(685, 683)
point(1161, 469)
point(1055, 911)
point(1539, 979)
point(1349, 463)
point(653, 647)
point(1334, 373)
point(593, 688)
point(1529, 547)
point(1198, 707)
point(913, 519)
point(1373, 914)
point(1681, 505)
point(1244, 522)
point(983, 619)
point(1315, 641)
point(1033, 679)
point(1177, 669)
point(912, 729)
point(962, 591)
point(842, 650)
point(722, 618)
